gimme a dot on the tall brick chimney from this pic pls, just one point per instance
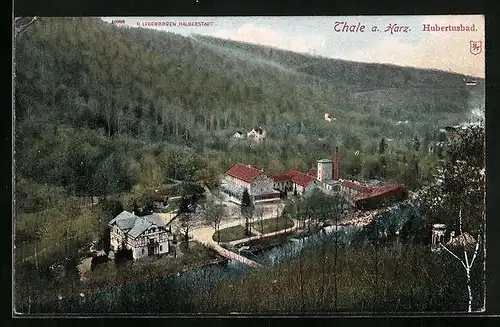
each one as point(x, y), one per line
point(336, 164)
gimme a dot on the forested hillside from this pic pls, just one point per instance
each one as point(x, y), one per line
point(101, 109)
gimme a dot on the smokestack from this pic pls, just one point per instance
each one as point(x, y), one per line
point(336, 164)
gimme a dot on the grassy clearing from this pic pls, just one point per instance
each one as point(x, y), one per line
point(231, 234)
point(271, 225)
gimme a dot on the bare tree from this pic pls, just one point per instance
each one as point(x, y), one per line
point(259, 213)
point(466, 262)
point(186, 218)
point(187, 225)
point(214, 214)
point(20, 25)
point(277, 218)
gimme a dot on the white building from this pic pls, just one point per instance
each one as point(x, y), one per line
point(240, 177)
point(303, 183)
point(145, 236)
point(438, 234)
point(282, 182)
point(160, 202)
point(325, 170)
point(238, 135)
point(352, 188)
point(258, 134)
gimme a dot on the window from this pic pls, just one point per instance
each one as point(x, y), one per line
point(142, 251)
point(160, 248)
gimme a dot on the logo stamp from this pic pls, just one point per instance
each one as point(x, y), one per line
point(476, 47)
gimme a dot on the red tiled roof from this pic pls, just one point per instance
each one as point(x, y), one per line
point(356, 186)
point(244, 172)
point(302, 179)
point(282, 178)
point(312, 172)
point(381, 191)
point(292, 172)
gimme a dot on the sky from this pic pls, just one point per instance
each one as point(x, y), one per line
point(406, 44)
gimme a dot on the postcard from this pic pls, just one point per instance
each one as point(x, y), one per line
point(249, 165)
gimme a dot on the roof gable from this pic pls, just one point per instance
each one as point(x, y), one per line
point(155, 220)
point(312, 172)
point(356, 186)
point(292, 172)
point(281, 178)
point(159, 198)
point(243, 172)
point(302, 179)
point(124, 221)
point(140, 226)
point(134, 225)
point(381, 191)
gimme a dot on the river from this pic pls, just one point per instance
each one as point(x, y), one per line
point(164, 295)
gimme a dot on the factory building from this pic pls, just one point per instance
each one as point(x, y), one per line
point(325, 177)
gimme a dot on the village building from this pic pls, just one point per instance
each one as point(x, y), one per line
point(379, 196)
point(145, 236)
point(239, 135)
point(160, 202)
point(325, 177)
point(312, 172)
point(282, 182)
point(303, 183)
point(292, 172)
point(453, 133)
point(327, 174)
point(240, 177)
point(258, 134)
point(440, 235)
point(470, 81)
point(353, 188)
point(328, 116)
point(325, 170)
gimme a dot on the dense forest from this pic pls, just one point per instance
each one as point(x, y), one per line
point(118, 107)
point(112, 112)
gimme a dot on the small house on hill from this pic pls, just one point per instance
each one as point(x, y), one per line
point(454, 132)
point(239, 135)
point(470, 81)
point(328, 116)
point(258, 134)
point(145, 236)
point(159, 201)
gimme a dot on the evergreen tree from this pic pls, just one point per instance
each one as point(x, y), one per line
point(382, 146)
point(246, 209)
point(416, 144)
